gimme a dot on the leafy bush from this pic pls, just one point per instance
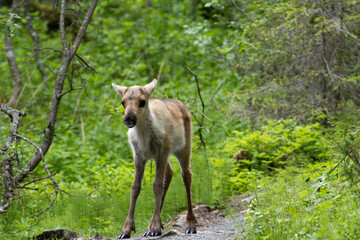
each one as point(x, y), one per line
point(275, 145)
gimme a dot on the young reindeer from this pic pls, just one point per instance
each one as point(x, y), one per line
point(157, 128)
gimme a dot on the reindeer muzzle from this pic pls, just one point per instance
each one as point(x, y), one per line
point(130, 121)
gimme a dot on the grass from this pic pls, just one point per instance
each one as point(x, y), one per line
point(304, 204)
point(105, 213)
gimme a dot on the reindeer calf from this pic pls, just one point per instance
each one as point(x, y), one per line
point(157, 128)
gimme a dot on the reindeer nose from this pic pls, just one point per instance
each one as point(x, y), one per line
point(130, 120)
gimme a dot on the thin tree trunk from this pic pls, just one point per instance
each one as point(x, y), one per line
point(35, 38)
point(14, 68)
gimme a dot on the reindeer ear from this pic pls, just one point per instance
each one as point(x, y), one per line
point(150, 87)
point(120, 89)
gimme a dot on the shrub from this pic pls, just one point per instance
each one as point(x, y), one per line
point(275, 145)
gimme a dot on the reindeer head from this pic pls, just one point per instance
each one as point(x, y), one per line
point(135, 101)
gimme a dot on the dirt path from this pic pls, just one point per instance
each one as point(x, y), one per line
point(212, 224)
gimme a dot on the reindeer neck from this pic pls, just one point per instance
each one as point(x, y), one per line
point(146, 121)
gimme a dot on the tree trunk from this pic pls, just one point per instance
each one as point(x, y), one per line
point(35, 38)
point(16, 75)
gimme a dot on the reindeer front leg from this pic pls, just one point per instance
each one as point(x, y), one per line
point(129, 224)
point(155, 225)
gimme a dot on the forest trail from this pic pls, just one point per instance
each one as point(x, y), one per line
point(212, 223)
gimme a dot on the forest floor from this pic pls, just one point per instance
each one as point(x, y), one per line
point(212, 223)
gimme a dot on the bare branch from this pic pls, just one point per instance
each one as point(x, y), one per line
point(37, 180)
point(31, 142)
point(29, 188)
point(83, 27)
point(56, 190)
point(202, 141)
point(240, 10)
point(72, 89)
point(86, 64)
point(15, 116)
point(8, 179)
point(198, 87)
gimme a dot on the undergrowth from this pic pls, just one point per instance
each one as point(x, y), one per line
point(304, 203)
point(105, 210)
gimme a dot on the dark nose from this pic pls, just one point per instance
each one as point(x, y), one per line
point(130, 120)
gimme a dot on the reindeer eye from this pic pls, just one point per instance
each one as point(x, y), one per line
point(142, 103)
point(122, 102)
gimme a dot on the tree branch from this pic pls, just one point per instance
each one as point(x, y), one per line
point(72, 89)
point(86, 64)
point(202, 141)
point(240, 10)
point(83, 27)
point(8, 179)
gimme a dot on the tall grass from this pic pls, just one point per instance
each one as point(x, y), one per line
point(105, 213)
point(304, 204)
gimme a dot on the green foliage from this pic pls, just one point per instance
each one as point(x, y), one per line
point(346, 144)
point(9, 22)
point(273, 59)
point(303, 204)
point(296, 58)
point(275, 145)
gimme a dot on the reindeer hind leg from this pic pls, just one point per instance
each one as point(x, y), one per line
point(184, 160)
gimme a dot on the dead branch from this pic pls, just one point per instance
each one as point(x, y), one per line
point(337, 164)
point(72, 89)
point(37, 180)
point(202, 141)
point(8, 179)
point(202, 110)
point(15, 116)
point(56, 190)
point(83, 27)
point(85, 63)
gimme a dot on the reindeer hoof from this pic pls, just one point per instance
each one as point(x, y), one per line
point(154, 234)
point(190, 230)
point(150, 233)
point(123, 236)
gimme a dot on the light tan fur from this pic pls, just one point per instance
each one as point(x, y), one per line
point(157, 129)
